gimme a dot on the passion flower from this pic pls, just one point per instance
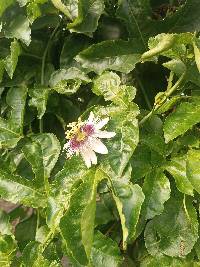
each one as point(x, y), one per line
point(84, 138)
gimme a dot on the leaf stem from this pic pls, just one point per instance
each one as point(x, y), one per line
point(170, 90)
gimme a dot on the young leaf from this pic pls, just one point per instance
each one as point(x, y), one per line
point(89, 12)
point(108, 85)
point(182, 119)
point(11, 130)
point(5, 226)
point(68, 81)
point(156, 189)
point(175, 231)
point(111, 55)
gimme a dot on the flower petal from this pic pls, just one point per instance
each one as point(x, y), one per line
point(91, 117)
point(85, 153)
point(88, 156)
point(101, 123)
point(98, 146)
point(104, 134)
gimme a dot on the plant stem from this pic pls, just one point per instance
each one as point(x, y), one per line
point(43, 69)
point(170, 90)
point(143, 92)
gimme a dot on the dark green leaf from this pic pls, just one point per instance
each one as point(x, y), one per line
point(15, 189)
point(39, 96)
point(175, 231)
point(156, 189)
point(77, 224)
point(105, 252)
point(111, 55)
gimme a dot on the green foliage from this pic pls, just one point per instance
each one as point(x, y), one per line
point(134, 65)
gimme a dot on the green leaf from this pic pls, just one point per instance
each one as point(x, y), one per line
point(165, 261)
point(19, 29)
point(7, 249)
point(15, 189)
point(128, 199)
point(105, 252)
point(32, 256)
point(175, 231)
point(39, 97)
point(136, 16)
point(163, 42)
point(89, 12)
point(182, 119)
point(73, 44)
point(77, 224)
point(197, 55)
point(193, 168)
point(4, 5)
point(108, 85)
point(177, 168)
point(11, 130)
point(115, 55)
point(34, 10)
point(1, 69)
point(42, 152)
point(156, 189)
point(120, 148)
point(11, 60)
point(73, 173)
point(68, 81)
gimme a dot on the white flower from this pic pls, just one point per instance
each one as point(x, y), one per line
point(84, 138)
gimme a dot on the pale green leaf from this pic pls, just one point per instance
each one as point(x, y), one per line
point(19, 29)
point(11, 60)
point(193, 168)
point(182, 119)
point(68, 81)
point(109, 85)
point(177, 168)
